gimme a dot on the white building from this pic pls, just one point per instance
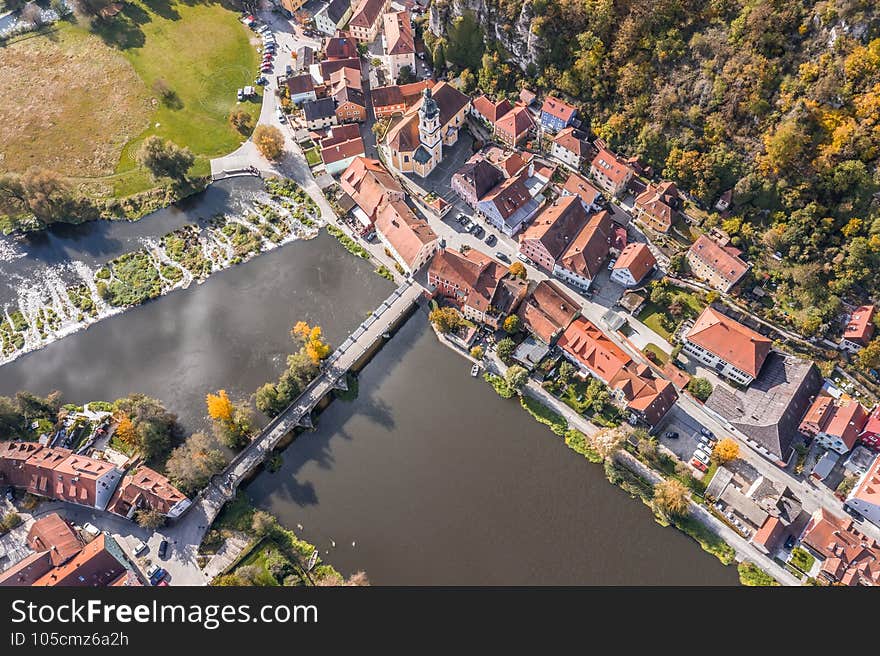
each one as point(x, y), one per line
point(398, 45)
point(726, 346)
point(333, 16)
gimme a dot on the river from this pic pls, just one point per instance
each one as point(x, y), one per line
point(434, 478)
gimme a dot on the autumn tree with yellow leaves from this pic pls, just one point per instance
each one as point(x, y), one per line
point(725, 451)
point(233, 423)
point(313, 342)
point(125, 432)
point(220, 408)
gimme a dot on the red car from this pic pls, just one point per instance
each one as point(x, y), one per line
point(699, 465)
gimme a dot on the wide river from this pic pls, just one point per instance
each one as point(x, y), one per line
point(427, 478)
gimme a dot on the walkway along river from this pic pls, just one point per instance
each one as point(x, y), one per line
point(432, 476)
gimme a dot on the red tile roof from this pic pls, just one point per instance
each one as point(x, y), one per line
point(398, 33)
point(592, 348)
point(724, 263)
point(547, 311)
point(557, 225)
point(868, 489)
point(476, 275)
point(342, 150)
point(846, 421)
point(579, 186)
point(587, 252)
point(366, 13)
point(53, 534)
point(611, 166)
point(573, 141)
point(404, 230)
point(94, 566)
point(509, 196)
point(145, 489)
point(657, 201)
point(730, 340)
point(489, 110)
point(340, 47)
point(638, 259)
point(515, 122)
point(860, 327)
point(369, 183)
point(558, 108)
point(850, 556)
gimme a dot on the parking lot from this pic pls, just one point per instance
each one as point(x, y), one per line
point(688, 429)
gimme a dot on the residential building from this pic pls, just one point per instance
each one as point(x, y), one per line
point(767, 413)
point(571, 148)
point(488, 111)
point(480, 285)
point(657, 206)
point(860, 460)
point(527, 97)
point(835, 425)
point(305, 58)
point(301, 89)
point(859, 329)
point(340, 147)
point(611, 172)
point(417, 141)
point(514, 127)
point(329, 66)
point(848, 556)
point(871, 432)
point(398, 44)
point(292, 6)
point(633, 386)
point(28, 570)
point(634, 263)
point(556, 114)
point(393, 100)
point(509, 162)
point(718, 265)
point(409, 239)
point(369, 184)
point(367, 18)
point(548, 311)
point(730, 348)
point(340, 47)
point(865, 497)
point(552, 231)
point(51, 533)
point(724, 200)
point(345, 88)
point(579, 186)
point(475, 179)
point(509, 206)
point(320, 114)
point(100, 563)
point(146, 489)
point(332, 16)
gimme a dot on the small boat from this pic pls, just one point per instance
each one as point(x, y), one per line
point(386, 335)
point(475, 370)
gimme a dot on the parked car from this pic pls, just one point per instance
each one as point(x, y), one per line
point(671, 435)
point(10, 493)
point(789, 542)
point(371, 237)
point(261, 81)
point(266, 68)
point(702, 457)
point(522, 257)
point(281, 117)
point(288, 70)
point(491, 240)
point(612, 263)
point(708, 442)
point(91, 529)
point(163, 549)
point(139, 547)
point(501, 256)
point(156, 574)
point(442, 243)
point(240, 94)
point(699, 465)
point(477, 231)
point(706, 432)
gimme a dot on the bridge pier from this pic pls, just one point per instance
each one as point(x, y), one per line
point(341, 384)
point(306, 421)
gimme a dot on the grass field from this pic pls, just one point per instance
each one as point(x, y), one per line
point(313, 157)
point(88, 101)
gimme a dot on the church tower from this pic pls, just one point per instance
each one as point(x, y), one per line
point(429, 126)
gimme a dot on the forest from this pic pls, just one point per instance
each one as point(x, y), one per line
point(777, 100)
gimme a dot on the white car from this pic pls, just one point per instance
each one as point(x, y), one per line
point(611, 264)
point(281, 117)
point(91, 529)
point(702, 457)
point(139, 547)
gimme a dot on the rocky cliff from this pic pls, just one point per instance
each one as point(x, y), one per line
point(514, 35)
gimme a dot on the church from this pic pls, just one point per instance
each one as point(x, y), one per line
point(416, 142)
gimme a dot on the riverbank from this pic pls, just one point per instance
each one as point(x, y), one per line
point(191, 253)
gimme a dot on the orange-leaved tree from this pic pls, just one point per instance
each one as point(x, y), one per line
point(220, 408)
point(126, 432)
point(313, 341)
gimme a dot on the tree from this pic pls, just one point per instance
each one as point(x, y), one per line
point(478, 352)
point(725, 451)
point(125, 431)
point(607, 441)
point(700, 388)
point(566, 371)
point(241, 121)
point(148, 518)
point(191, 465)
point(516, 377)
point(268, 400)
point(671, 498)
point(445, 319)
point(220, 408)
point(512, 324)
point(406, 75)
point(315, 346)
point(505, 349)
point(676, 308)
point(154, 426)
point(39, 197)
point(869, 356)
point(269, 141)
point(517, 269)
point(164, 159)
point(33, 407)
point(89, 9)
point(264, 524)
point(32, 14)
